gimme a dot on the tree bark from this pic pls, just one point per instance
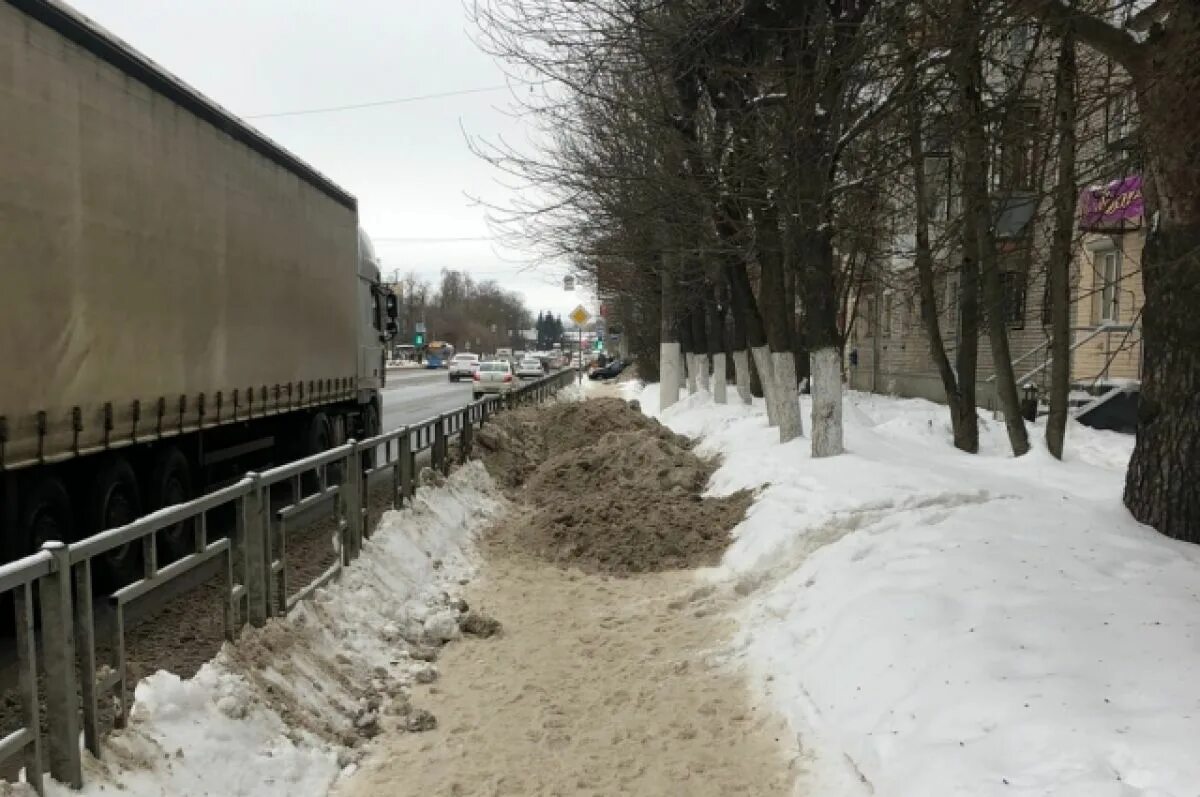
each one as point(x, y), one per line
point(978, 207)
point(1060, 250)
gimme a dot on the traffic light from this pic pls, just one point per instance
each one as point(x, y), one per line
point(419, 339)
point(598, 345)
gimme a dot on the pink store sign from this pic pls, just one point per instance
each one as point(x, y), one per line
point(1113, 207)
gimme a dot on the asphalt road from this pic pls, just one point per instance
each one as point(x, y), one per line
point(413, 395)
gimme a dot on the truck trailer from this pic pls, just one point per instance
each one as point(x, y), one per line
point(182, 298)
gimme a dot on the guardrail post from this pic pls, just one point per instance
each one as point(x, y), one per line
point(406, 465)
point(466, 440)
point(58, 663)
point(251, 539)
point(353, 488)
point(27, 683)
point(438, 456)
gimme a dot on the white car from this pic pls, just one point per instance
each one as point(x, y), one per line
point(464, 366)
point(494, 376)
point(530, 368)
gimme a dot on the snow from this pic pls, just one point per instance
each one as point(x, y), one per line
point(936, 623)
point(289, 707)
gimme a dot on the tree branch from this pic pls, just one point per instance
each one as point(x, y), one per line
point(1106, 39)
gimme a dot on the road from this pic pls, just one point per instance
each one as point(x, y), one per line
point(414, 395)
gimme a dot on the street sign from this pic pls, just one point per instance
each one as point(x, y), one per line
point(568, 283)
point(580, 316)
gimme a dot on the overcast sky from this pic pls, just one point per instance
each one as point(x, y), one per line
point(408, 164)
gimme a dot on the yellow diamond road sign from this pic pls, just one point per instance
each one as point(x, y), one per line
point(580, 316)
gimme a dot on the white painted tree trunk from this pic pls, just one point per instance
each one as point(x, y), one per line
point(718, 379)
point(826, 403)
point(791, 424)
point(766, 375)
point(702, 370)
point(741, 372)
point(670, 363)
point(691, 374)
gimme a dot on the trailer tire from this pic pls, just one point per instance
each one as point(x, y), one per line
point(318, 438)
point(46, 514)
point(115, 500)
point(170, 483)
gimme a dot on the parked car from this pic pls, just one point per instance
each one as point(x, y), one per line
point(463, 366)
point(613, 369)
point(493, 377)
point(530, 368)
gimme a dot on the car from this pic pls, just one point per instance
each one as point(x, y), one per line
point(609, 371)
point(463, 366)
point(530, 368)
point(495, 377)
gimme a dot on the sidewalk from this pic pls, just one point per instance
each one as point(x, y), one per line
point(598, 685)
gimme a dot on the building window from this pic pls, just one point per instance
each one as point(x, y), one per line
point(887, 316)
point(1106, 304)
point(1119, 120)
point(937, 186)
point(1015, 160)
point(1012, 285)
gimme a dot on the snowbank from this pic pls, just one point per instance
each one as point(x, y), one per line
point(285, 709)
point(934, 623)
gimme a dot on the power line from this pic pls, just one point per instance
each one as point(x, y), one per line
point(377, 104)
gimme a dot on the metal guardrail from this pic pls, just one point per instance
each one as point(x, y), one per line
point(253, 561)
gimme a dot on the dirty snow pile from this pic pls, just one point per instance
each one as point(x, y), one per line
point(934, 623)
point(286, 709)
point(607, 489)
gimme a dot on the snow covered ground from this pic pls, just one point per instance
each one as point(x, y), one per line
point(289, 708)
point(934, 623)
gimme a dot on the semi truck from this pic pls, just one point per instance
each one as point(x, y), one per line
point(182, 298)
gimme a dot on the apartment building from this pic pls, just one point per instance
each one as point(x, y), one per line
point(888, 349)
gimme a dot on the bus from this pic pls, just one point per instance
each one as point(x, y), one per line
point(438, 354)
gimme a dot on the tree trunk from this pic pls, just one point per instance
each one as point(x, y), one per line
point(820, 313)
point(966, 432)
point(670, 360)
point(687, 344)
point(715, 315)
point(700, 347)
point(1162, 485)
point(924, 262)
point(742, 297)
point(778, 368)
point(741, 352)
point(978, 207)
point(1060, 249)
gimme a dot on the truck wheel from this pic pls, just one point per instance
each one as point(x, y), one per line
point(318, 438)
point(115, 500)
point(171, 483)
point(371, 427)
point(46, 514)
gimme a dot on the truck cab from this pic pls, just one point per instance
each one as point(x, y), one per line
point(377, 319)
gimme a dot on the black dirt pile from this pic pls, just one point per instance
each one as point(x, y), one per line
point(608, 489)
